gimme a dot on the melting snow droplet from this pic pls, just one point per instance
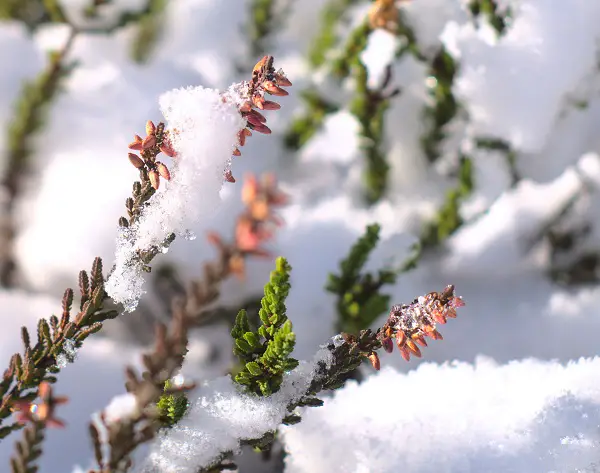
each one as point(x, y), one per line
point(189, 235)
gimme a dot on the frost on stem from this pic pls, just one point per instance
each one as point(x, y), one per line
point(204, 127)
point(68, 354)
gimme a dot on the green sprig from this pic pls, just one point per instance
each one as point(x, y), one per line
point(448, 218)
point(265, 353)
point(172, 406)
point(359, 301)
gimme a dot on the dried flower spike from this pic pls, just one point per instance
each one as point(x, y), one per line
point(265, 80)
point(410, 324)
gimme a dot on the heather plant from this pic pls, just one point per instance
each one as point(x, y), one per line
point(154, 400)
point(433, 149)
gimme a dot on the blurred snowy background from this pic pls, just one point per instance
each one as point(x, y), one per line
point(493, 148)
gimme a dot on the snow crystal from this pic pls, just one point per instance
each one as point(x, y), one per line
point(69, 354)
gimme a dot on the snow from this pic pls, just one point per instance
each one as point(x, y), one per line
point(455, 418)
point(536, 87)
point(120, 407)
point(206, 130)
point(222, 416)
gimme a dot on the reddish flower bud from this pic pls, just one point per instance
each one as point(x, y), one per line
point(136, 144)
point(258, 102)
point(388, 345)
point(150, 128)
point(436, 335)
point(400, 339)
point(250, 189)
point(457, 302)
point(135, 160)
point(228, 176)
point(261, 128)
point(405, 352)
point(419, 339)
point(282, 80)
point(270, 105)
point(149, 142)
point(374, 359)
point(438, 317)
point(154, 179)
point(260, 64)
point(414, 348)
point(237, 152)
point(163, 171)
point(253, 120)
point(167, 149)
point(260, 117)
point(241, 138)
point(272, 89)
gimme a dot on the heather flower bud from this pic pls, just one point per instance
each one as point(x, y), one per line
point(241, 138)
point(414, 348)
point(405, 352)
point(163, 171)
point(282, 80)
point(259, 116)
point(167, 149)
point(136, 144)
point(149, 142)
point(237, 152)
point(270, 105)
point(136, 160)
point(273, 89)
point(387, 344)
point(436, 335)
point(457, 302)
point(150, 128)
point(260, 64)
point(154, 179)
point(419, 339)
point(261, 128)
point(249, 190)
point(374, 359)
point(228, 176)
point(438, 317)
point(253, 120)
point(400, 339)
point(258, 102)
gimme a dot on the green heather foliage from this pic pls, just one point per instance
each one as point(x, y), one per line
point(448, 218)
point(149, 27)
point(172, 407)
point(359, 301)
point(265, 352)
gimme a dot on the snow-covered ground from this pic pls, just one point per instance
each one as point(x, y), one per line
point(518, 398)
